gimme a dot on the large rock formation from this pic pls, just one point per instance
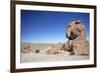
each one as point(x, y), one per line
point(77, 43)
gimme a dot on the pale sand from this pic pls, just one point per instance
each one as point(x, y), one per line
point(32, 57)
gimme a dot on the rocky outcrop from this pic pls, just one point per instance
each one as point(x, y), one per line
point(77, 41)
point(26, 49)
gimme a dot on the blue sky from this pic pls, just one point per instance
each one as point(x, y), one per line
point(48, 26)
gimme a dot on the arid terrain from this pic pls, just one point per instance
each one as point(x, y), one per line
point(43, 52)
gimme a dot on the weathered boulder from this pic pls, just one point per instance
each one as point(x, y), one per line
point(77, 41)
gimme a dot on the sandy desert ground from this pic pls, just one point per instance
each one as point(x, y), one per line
point(49, 58)
point(37, 53)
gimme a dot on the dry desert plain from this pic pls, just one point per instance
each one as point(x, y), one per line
point(38, 52)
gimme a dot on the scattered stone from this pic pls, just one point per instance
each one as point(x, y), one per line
point(37, 51)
